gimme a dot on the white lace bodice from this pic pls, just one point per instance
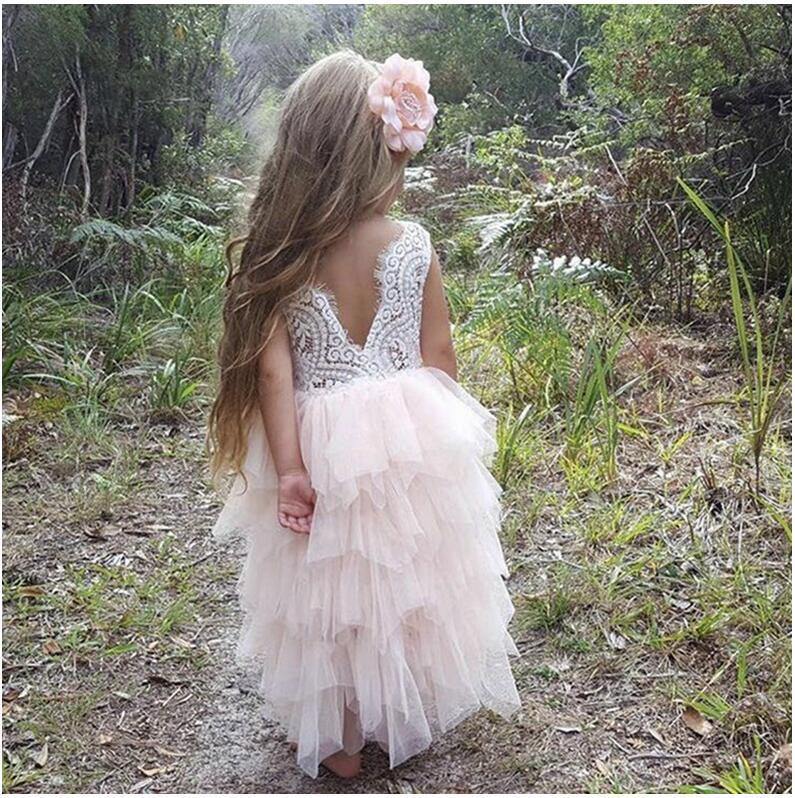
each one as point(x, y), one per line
point(324, 356)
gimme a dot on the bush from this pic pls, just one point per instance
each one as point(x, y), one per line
point(223, 151)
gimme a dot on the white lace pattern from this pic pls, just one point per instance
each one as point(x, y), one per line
point(324, 356)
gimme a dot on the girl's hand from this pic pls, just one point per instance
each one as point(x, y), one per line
point(296, 501)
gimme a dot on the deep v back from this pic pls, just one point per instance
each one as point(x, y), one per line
point(334, 306)
point(324, 354)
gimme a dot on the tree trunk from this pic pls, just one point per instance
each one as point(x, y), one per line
point(10, 15)
point(57, 107)
point(80, 89)
point(199, 122)
point(104, 201)
point(10, 138)
point(125, 122)
point(133, 155)
point(10, 131)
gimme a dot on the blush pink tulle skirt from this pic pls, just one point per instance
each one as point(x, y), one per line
point(388, 622)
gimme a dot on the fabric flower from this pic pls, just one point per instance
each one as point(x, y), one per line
point(399, 95)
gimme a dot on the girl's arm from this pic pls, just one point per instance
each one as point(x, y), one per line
point(277, 405)
point(436, 342)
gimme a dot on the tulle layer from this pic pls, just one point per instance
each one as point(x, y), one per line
point(393, 611)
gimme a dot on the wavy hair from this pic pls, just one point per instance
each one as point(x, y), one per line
point(329, 167)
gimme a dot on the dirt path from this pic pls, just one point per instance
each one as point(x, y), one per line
point(120, 620)
point(175, 713)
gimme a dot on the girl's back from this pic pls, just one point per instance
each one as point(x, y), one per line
point(348, 272)
point(364, 316)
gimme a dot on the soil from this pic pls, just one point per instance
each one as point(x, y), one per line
point(173, 713)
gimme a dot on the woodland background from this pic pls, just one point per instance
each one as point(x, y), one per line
point(609, 188)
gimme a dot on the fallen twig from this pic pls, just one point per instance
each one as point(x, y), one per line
point(661, 755)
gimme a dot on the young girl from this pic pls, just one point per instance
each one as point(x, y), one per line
point(373, 585)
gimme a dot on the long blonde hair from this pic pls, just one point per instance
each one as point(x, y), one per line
point(329, 167)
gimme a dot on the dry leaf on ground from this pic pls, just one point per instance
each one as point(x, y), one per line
point(656, 735)
point(569, 728)
point(30, 591)
point(41, 756)
point(167, 752)
point(696, 722)
point(154, 770)
point(616, 641)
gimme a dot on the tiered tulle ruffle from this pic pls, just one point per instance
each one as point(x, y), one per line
point(393, 610)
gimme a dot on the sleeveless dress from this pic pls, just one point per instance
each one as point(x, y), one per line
point(390, 617)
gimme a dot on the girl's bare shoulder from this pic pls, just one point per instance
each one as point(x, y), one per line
point(374, 233)
point(362, 243)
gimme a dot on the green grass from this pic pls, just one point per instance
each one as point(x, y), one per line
point(547, 610)
point(743, 778)
point(111, 353)
point(110, 611)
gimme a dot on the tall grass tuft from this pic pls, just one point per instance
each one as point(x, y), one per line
point(171, 389)
point(594, 407)
point(743, 778)
point(763, 388)
point(511, 441)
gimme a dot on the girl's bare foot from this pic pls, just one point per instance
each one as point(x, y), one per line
point(346, 766)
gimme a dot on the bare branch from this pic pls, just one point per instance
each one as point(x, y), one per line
point(30, 162)
point(79, 84)
point(526, 39)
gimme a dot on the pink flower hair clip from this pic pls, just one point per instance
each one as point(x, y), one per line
point(399, 95)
